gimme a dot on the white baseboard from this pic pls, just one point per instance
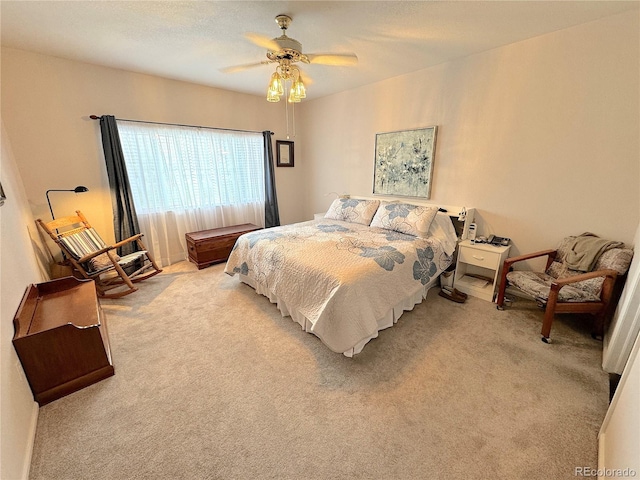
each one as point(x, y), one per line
point(32, 436)
point(601, 450)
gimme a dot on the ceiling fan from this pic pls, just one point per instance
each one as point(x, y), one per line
point(286, 51)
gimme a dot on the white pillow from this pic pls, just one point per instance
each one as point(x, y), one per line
point(405, 218)
point(352, 210)
point(442, 228)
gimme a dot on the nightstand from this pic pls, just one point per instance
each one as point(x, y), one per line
point(478, 268)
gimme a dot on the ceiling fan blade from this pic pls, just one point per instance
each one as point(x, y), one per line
point(262, 41)
point(306, 79)
point(246, 66)
point(339, 59)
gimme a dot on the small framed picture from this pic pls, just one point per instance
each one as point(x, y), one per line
point(284, 152)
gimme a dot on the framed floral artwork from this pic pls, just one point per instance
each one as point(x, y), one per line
point(404, 162)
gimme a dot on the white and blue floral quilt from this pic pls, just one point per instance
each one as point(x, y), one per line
point(341, 277)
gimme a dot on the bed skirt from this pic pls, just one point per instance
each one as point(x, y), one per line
point(386, 321)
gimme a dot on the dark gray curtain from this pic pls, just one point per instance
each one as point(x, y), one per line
point(125, 220)
point(271, 215)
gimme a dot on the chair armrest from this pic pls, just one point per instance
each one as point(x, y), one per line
point(506, 266)
point(605, 294)
point(127, 240)
point(89, 256)
point(511, 260)
point(585, 276)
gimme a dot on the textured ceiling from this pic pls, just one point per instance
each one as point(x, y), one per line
point(194, 40)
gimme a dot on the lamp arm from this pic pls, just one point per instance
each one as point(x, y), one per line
point(62, 190)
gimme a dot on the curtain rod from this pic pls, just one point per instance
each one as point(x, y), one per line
point(96, 117)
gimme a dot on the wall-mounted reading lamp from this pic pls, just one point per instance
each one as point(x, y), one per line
point(78, 189)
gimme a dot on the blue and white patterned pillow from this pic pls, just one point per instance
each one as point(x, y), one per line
point(352, 210)
point(405, 218)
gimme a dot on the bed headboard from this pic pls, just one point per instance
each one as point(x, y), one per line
point(461, 217)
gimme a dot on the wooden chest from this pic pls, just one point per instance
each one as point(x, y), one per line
point(61, 338)
point(215, 245)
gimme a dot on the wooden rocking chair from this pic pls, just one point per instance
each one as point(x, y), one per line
point(97, 261)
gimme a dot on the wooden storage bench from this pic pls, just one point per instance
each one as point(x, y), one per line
point(61, 338)
point(213, 246)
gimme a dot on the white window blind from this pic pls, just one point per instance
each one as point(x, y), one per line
point(187, 179)
point(174, 168)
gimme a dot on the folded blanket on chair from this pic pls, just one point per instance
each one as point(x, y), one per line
point(585, 251)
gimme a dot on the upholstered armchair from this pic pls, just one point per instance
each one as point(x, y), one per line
point(559, 289)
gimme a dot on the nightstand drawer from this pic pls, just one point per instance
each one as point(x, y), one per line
point(480, 258)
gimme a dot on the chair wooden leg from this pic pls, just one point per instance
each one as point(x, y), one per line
point(121, 293)
point(121, 272)
point(546, 324)
point(549, 313)
point(149, 256)
point(502, 288)
point(145, 276)
point(598, 326)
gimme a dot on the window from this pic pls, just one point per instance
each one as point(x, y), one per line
point(188, 179)
point(177, 169)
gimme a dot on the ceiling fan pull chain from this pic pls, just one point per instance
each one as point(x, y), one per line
point(293, 118)
point(286, 110)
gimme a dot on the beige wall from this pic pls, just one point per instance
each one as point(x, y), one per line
point(46, 102)
point(540, 136)
point(45, 105)
point(18, 268)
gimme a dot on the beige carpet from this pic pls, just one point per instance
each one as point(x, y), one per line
point(212, 383)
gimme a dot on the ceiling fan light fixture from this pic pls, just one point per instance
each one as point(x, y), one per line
point(293, 98)
point(276, 84)
point(298, 88)
point(272, 97)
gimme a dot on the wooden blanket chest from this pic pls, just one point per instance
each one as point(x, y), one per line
point(61, 338)
point(212, 246)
